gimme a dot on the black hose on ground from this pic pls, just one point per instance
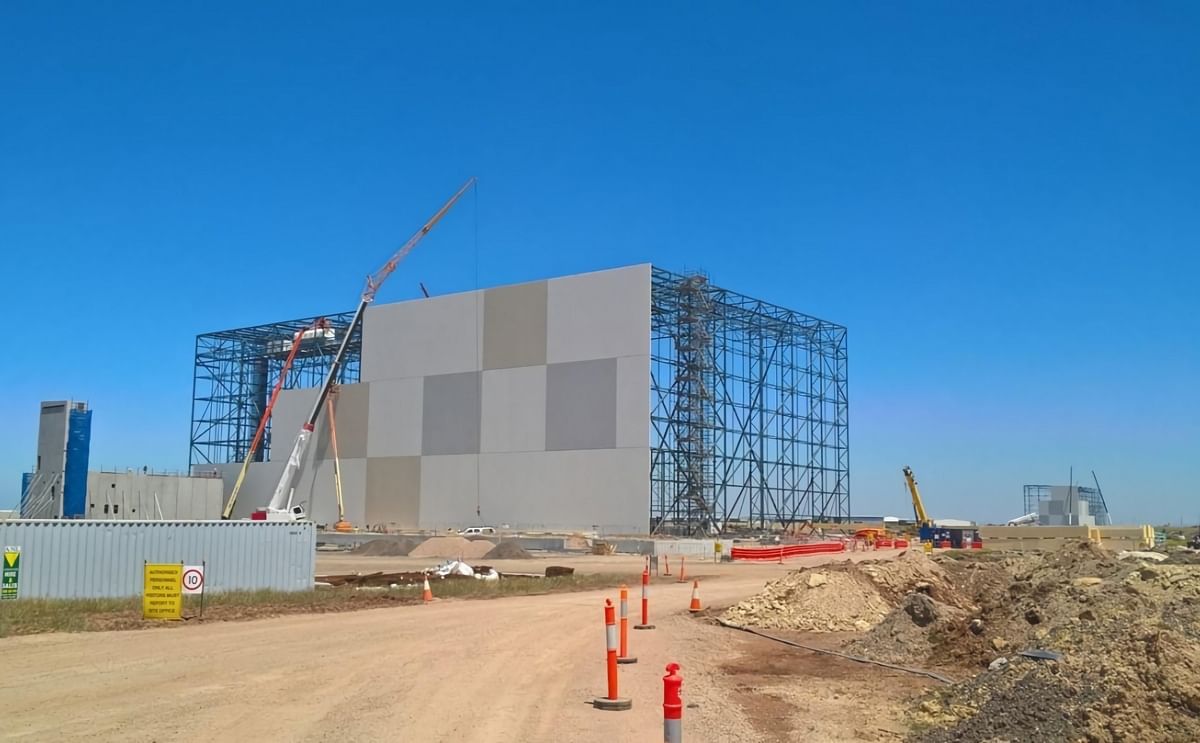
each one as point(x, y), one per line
point(856, 658)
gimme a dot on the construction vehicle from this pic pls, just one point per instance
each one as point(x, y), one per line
point(280, 508)
point(925, 526)
point(318, 330)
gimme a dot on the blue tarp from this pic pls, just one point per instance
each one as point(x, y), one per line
point(79, 441)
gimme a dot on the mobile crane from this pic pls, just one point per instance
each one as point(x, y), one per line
point(280, 508)
point(925, 526)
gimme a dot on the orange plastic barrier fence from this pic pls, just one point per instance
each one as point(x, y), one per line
point(792, 550)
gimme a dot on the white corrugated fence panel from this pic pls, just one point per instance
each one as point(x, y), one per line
point(103, 559)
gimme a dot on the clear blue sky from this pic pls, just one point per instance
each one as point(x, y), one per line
point(1001, 203)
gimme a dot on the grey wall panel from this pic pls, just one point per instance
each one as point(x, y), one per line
point(633, 401)
point(256, 491)
point(291, 409)
point(393, 492)
point(394, 424)
point(514, 410)
point(598, 315)
point(450, 413)
point(514, 326)
point(567, 490)
point(314, 489)
point(449, 491)
point(581, 405)
point(440, 335)
point(105, 559)
point(351, 405)
point(134, 496)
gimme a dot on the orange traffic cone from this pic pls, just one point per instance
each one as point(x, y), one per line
point(427, 596)
point(695, 607)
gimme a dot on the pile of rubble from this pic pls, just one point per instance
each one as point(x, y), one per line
point(1071, 645)
point(844, 597)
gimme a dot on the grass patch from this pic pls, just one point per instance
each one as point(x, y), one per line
point(35, 616)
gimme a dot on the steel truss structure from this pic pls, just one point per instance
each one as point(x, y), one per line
point(1097, 507)
point(749, 412)
point(235, 371)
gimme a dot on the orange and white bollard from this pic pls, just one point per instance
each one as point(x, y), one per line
point(611, 701)
point(695, 606)
point(645, 602)
point(623, 656)
point(672, 705)
point(667, 564)
point(427, 594)
point(682, 568)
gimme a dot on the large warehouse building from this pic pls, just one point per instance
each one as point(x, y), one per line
point(629, 400)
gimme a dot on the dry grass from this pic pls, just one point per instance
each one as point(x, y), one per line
point(34, 616)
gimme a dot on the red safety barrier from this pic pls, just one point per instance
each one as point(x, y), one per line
point(791, 550)
point(883, 544)
point(977, 545)
point(900, 543)
point(623, 655)
point(944, 544)
point(611, 701)
point(645, 602)
point(672, 705)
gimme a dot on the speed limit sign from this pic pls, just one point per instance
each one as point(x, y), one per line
point(193, 579)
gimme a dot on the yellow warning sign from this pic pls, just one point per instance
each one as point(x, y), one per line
point(162, 591)
point(11, 557)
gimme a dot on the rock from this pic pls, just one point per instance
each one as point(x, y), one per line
point(1085, 582)
point(862, 625)
point(920, 608)
point(1033, 615)
point(976, 626)
point(930, 707)
point(817, 579)
point(999, 644)
point(923, 587)
point(1087, 615)
point(1149, 572)
point(998, 663)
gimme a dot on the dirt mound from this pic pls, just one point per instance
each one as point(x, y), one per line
point(909, 631)
point(840, 597)
point(387, 547)
point(1129, 634)
point(508, 551)
point(452, 547)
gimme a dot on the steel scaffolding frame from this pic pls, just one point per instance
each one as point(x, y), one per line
point(235, 371)
point(749, 412)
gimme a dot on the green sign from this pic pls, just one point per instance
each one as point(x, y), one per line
point(10, 573)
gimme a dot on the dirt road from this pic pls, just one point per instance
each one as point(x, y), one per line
point(519, 669)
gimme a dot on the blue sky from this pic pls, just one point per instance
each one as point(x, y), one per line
point(1000, 203)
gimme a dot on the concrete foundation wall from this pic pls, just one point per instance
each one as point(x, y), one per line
point(525, 405)
point(133, 496)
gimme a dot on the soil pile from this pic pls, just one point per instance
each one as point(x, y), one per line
point(841, 597)
point(508, 551)
point(387, 547)
point(452, 547)
point(1129, 635)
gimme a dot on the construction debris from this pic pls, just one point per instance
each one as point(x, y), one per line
point(844, 597)
point(453, 547)
point(508, 551)
point(387, 547)
point(1110, 649)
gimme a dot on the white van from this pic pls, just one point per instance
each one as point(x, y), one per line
point(478, 531)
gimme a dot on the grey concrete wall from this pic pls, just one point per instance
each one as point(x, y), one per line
point(525, 405)
point(133, 496)
point(46, 488)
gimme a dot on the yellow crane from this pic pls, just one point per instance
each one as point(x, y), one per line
point(924, 523)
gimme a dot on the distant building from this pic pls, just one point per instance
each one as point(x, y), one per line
point(57, 487)
point(1067, 505)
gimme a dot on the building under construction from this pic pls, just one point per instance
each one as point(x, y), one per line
point(631, 400)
